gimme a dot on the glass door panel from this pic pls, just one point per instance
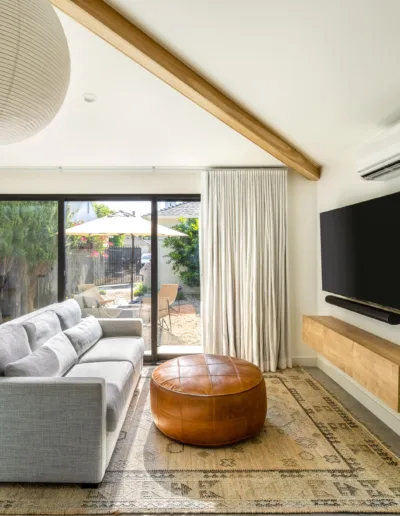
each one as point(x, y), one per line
point(108, 259)
point(28, 256)
point(179, 314)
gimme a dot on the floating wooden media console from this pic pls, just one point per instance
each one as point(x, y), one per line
point(373, 362)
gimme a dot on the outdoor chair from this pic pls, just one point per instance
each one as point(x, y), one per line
point(166, 297)
point(169, 291)
point(91, 293)
point(162, 310)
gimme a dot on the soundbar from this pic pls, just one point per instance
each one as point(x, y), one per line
point(369, 311)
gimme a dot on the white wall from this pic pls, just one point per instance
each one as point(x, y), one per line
point(340, 186)
point(302, 220)
point(104, 182)
point(302, 223)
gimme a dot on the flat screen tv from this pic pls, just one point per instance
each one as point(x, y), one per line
point(360, 251)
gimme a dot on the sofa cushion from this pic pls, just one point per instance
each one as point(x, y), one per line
point(114, 349)
point(30, 329)
point(14, 344)
point(69, 314)
point(85, 334)
point(119, 379)
point(46, 325)
point(52, 359)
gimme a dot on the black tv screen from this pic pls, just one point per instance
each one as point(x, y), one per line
point(360, 251)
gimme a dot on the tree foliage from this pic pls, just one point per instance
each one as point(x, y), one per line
point(102, 210)
point(28, 242)
point(184, 252)
point(97, 244)
point(12, 233)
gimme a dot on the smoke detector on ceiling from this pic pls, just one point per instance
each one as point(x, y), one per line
point(89, 97)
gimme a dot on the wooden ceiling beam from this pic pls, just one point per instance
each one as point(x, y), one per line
point(106, 22)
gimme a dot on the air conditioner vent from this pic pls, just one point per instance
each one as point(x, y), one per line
point(379, 159)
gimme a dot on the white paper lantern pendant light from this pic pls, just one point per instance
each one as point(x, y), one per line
point(34, 68)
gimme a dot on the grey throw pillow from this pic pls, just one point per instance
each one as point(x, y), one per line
point(69, 314)
point(14, 345)
point(46, 324)
point(30, 329)
point(85, 334)
point(54, 358)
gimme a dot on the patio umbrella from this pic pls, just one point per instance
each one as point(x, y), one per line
point(122, 224)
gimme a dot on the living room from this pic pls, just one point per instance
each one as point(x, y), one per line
point(147, 222)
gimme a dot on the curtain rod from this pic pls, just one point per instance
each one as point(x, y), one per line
point(132, 169)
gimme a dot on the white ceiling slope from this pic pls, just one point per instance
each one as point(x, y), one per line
point(323, 73)
point(137, 120)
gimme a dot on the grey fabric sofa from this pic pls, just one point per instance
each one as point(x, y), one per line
point(65, 388)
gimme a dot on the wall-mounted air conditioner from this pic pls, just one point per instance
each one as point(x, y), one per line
point(379, 159)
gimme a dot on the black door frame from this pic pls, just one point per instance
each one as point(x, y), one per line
point(61, 266)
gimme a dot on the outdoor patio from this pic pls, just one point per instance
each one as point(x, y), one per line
point(185, 321)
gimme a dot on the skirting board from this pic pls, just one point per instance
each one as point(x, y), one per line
point(373, 404)
point(305, 361)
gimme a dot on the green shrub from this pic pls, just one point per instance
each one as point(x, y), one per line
point(180, 296)
point(184, 252)
point(140, 290)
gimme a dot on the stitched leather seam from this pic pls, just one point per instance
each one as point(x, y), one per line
point(237, 374)
point(180, 405)
point(183, 393)
point(213, 400)
point(241, 418)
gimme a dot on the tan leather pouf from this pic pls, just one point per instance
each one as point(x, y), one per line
point(208, 400)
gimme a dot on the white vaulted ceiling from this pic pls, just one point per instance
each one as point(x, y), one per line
point(137, 120)
point(324, 74)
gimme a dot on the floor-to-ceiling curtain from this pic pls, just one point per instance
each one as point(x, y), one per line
point(244, 265)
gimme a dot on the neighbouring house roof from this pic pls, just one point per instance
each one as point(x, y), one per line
point(81, 211)
point(186, 210)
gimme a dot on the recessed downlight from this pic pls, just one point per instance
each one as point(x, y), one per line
point(89, 97)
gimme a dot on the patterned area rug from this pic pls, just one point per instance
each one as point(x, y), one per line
point(312, 456)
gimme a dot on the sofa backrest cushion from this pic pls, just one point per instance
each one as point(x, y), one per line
point(69, 314)
point(45, 326)
point(54, 358)
point(85, 334)
point(14, 344)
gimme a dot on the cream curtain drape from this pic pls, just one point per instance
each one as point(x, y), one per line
point(244, 265)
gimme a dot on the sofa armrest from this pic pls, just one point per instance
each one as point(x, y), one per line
point(52, 430)
point(122, 327)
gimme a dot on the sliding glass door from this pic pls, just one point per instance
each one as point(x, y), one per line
point(118, 256)
point(178, 269)
point(108, 259)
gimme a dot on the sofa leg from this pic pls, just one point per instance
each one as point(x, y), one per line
point(90, 486)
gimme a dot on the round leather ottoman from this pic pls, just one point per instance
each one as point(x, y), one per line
point(208, 400)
